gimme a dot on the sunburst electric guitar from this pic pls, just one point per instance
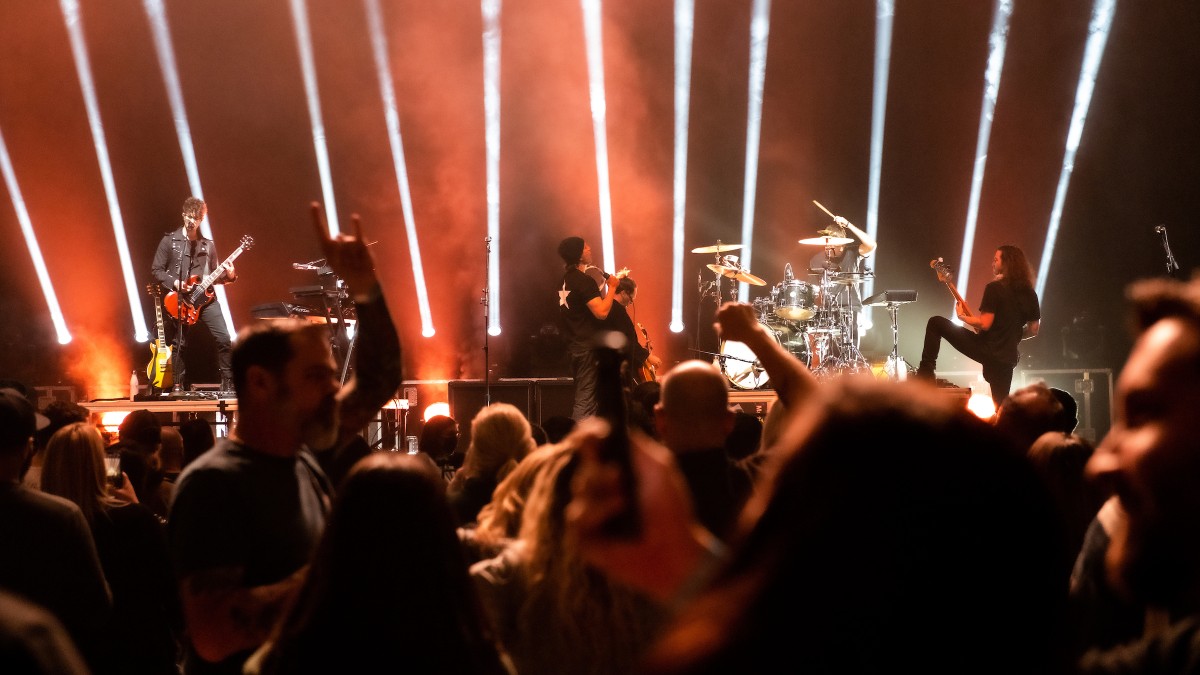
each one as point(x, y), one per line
point(945, 276)
point(159, 370)
point(186, 306)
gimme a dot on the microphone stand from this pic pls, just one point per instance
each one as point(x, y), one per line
point(1172, 266)
point(487, 263)
point(181, 325)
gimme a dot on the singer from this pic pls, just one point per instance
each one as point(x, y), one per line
point(184, 253)
point(583, 310)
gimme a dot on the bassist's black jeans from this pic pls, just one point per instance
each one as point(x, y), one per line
point(998, 374)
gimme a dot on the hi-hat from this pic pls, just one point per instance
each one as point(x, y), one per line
point(850, 278)
point(717, 248)
point(827, 241)
point(737, 275)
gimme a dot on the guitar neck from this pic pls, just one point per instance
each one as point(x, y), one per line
point(959, 299)
point(162, 337)
point(212, 276)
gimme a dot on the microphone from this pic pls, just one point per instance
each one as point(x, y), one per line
point(1161, 229)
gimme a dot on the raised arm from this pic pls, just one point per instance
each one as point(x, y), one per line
point(377, 355)
point(792, 380)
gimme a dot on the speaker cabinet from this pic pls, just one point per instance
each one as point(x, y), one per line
point(468, 397)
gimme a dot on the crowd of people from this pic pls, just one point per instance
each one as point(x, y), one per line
point(863, 526)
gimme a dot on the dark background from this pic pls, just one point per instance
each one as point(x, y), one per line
point(242, 86)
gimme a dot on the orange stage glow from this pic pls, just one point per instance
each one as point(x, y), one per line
point(100, 364)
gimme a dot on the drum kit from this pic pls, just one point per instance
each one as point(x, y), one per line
point(815, 321)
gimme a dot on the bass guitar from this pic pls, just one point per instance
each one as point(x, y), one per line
point(648, 373)
point(945, 276)
point(159, 370)
point(186, 305)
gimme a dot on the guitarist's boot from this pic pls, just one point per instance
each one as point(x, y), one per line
point(226, 384)
point(926, 371)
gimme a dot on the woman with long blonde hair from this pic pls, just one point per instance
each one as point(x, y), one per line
point(132, 546)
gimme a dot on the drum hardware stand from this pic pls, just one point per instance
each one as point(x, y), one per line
point(487, 275)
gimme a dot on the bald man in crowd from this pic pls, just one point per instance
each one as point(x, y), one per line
point(693, 419)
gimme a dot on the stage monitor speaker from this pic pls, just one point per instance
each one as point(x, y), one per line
point(468, 397)
point(555, 397)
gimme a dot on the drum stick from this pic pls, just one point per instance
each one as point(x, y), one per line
point(823, 208)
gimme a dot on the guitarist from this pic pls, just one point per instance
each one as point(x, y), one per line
point(184, 256)
point(641, 364)
point(1009, 313)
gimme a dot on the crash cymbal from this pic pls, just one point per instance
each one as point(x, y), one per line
point(826, 241)
point(750, 279)
point(717, 248)
point(737, 275)
point(723, 270)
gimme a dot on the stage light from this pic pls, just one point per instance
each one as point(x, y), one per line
point(491, 113)
point(982, 406)
point(112, 419)
point(313, 96)
point(1098, 27)
point(760, 29)
point(83, 68)
point(164, 49)
point(599, 105)
point(884, 15)
point(997, 43)
point(684, 24)
point(31, 242)
point(387, 92)
point(435, 409)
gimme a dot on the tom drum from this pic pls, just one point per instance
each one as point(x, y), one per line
point(797, 300)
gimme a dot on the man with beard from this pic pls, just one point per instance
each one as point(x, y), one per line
point(248, 513)
point(1150, 460)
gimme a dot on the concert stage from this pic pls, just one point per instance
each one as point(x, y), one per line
point(220, 412)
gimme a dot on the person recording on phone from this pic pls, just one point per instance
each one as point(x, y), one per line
point(182, 254)
point(583, 311)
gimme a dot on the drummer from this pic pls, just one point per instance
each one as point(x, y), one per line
point(846, 262)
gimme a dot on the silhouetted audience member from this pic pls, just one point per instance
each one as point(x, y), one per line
point(198, 438)
point(694, 421)
point(557, 427)
point(538, 433)
point(139, 438)
point(642, 400)
point(499, 521)
point(742, 441)
point(439, 440)
point(46, 550)
point(552, 612)
point(1069, 418)
point(388, 590)
point(500, 437)
point(1059, 460)
point(132, 545)
point(34, 642)
point(936, 556)
point(1029, 412)
point(58, 414)
point(247, 514)
point(1150, 460)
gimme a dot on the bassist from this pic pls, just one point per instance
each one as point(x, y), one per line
point(641, 363)
point(1009, 313)
point(184, 255)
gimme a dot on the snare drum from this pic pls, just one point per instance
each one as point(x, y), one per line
point(797, 300)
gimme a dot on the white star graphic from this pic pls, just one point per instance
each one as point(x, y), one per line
point(562, 296)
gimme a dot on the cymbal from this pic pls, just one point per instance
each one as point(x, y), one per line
point(850, 278)
point(717, 248)
point(737, 275)
point(827, 241)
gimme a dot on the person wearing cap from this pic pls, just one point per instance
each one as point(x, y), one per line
point(46, 550)
point(583, 310)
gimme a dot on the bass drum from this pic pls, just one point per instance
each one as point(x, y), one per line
point(797, 300)
point(738, 364)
